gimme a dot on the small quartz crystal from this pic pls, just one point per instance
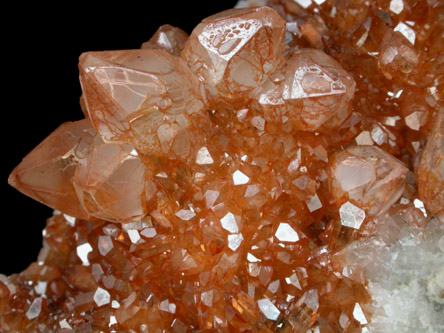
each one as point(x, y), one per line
point(351, 216)
point(285, 233)
point(167, 38)
point(35, 308)
point(101, 297)
point(268, 309)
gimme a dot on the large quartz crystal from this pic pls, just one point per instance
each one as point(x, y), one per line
point(368, 177)
point(264, 174)
point(235, 50)
point(310, 90)
point(148, 98)
point(47, 172)
point(99, 184)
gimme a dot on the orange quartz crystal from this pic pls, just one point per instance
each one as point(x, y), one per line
point(167, 38)
point(215, 177)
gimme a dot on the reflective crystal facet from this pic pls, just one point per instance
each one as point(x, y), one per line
point(368, 177)
point(235, 50)
point(167, 38)
point(268, 309)
point(148, 98)
point(351, 216)
point(311, 90)
point(46, 173)
point(110, 182)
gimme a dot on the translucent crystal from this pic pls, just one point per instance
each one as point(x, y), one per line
point(234, 241)
point(46, 173)
point(314, 203)
point(234, 50)
point(248, 178)
point(149, 232)
point(105, 245)
point(351, 216)
point(134, 236)
point(167, 306)
point(145, 97)
point(110, 182)
point(364, 139)
point(34, 309)
point(359, 314)
point(396, 6)
point(368, 177)
point(293, 279)
point(185, 214)
point(285, 233)
point(314, 91)
point(83, 251)
point(167, 38)
point(397, 54)
point(406, 31)
point(268, 309)
point(204, 157)
point(64, 324)
point(239, 178)
point(229, 223)
point(101, 297)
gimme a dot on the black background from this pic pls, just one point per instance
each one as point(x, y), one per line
point(40, 49)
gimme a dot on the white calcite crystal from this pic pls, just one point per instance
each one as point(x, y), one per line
point(404, 266)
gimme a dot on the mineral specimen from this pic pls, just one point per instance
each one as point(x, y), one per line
point(239, 179)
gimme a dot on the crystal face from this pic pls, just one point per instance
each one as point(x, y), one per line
point(169, 39)
point(310, 90)
point(148, 98)
point(368, 176)
point(234, 50)
point(57, 156)
point(238, 180)
point(110, 182)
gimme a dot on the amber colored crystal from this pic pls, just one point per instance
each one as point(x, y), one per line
point(46, 173)
point(234, 50)
point(397, 55)
point(368, 177)
point(217, 176)
point(145, 97)
point(110, 182)
point(167, 38)
point(310, 91)
point(431, 169)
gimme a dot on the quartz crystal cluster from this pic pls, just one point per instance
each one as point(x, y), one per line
point(219, 181)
